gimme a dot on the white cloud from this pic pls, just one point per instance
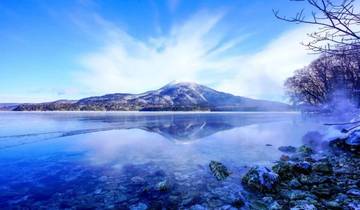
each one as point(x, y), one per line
point(192, 51)
point(261, 75)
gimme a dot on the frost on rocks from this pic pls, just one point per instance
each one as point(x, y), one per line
point(261, 179)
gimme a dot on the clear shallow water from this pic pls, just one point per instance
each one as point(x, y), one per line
point(116, 160)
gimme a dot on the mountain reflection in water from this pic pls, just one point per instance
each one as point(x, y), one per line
point(180, 127)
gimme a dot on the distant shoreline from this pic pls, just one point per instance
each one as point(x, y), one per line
point(158, 112)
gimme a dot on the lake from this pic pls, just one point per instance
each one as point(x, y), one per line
point(134, 160)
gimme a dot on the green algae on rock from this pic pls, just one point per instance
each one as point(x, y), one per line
point(219, 170)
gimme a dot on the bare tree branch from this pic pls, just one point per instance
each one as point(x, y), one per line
point(339, 25)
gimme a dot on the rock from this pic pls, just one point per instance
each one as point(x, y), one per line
point(305, 150)
point(270, 203)
point(302, 167)
point(238, 203)
point(284, 170)
point(284, 158)
point(313, 179)
point(322, 190)
point(219, 170)
point(293, 194)
point(354, 138)
point(307, 180)
point(227, 207)
point(163, 186)
point(258, 205)
point(337, 143)
point(287, 149)
point(297, 157)
point(348, 144)
point(138, 180)
point(309, 159)
point(354, 205)
point(188, 200)
point(274, 206)
point(341, 198)
point(294, 183)
point(268, 145)
point(230, 194)
point(322, 167)
point(198, 207)
point(139, 206)
point(261, 179)
point(304, 206)
point(267, 200)
point(353, 192)
point(332, 205)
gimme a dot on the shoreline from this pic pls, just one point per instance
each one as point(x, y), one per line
point(303, 179)
point(162, 112)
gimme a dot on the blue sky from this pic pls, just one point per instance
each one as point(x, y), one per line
point(71, 49)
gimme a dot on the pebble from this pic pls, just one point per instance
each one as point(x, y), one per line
point(354, 192)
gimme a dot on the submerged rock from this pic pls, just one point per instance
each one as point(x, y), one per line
point(137, 180)
point(287, 149)
point(139, 206)
point(198, 207)
point(219, 170)
point(226, 207)
point(163, 186)
point(229, 194)
point(261, 179)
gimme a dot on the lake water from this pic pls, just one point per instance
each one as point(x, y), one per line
point(117, 160)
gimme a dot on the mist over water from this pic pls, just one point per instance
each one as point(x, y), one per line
point(74, 153)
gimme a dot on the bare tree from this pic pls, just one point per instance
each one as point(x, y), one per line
point(317, 83)
point(339, 25)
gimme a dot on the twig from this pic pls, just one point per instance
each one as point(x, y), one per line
point(346, 123)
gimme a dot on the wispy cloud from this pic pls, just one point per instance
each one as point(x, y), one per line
point(195, 50)
point(262, 74)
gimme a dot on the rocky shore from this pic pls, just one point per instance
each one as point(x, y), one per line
point(307, 180)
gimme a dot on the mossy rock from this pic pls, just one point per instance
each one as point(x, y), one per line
point(219, 170)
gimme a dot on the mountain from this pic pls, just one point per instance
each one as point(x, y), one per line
point(182, 96)
point(8, 106)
